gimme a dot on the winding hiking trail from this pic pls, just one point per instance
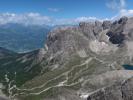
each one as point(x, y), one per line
point(61, 84)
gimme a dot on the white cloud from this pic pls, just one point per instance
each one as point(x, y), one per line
point(27, 18)
point(77, 20)
point(53, 9)
point(38, 19)
point(116, 4)
point(123, 3)
point(125, 12)
point(85, 19)
point(120, 6)
point(112, 5)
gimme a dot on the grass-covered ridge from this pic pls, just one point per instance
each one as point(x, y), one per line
point(69, 76)
point(17, 69)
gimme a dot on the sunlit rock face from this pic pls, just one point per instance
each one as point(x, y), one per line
point(67, 41)
point(101, 38)
point(101, 47)
point(106, 24)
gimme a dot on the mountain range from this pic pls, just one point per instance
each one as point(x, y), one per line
point(22, 38)
point(83, 62)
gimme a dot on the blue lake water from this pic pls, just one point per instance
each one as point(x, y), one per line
point(128, 67)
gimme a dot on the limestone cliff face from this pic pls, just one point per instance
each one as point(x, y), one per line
point(64, 42)
point(118, 91)
point(102, 38)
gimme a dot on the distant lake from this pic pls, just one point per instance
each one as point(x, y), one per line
point(128, 67)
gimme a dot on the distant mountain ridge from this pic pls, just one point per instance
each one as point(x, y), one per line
point(5, 53)
point(22, 38)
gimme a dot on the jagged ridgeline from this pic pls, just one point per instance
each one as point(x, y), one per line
point(83, 62)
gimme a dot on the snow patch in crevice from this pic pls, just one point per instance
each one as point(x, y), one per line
point(84, 96)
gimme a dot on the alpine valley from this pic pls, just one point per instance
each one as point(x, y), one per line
point(22, 38)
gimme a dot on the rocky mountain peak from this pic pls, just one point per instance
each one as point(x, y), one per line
point(98, 37)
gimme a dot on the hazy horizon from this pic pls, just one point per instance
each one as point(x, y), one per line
point(59, 12)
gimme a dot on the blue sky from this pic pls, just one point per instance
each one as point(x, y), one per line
point(67, 9)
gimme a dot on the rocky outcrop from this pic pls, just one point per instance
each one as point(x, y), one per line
point(116, 31)
point(91, 30)
point(102, 38)
point(67, 41)
point(64, 42)
point(106, 24)
point(118, 91)
point(105, 79)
